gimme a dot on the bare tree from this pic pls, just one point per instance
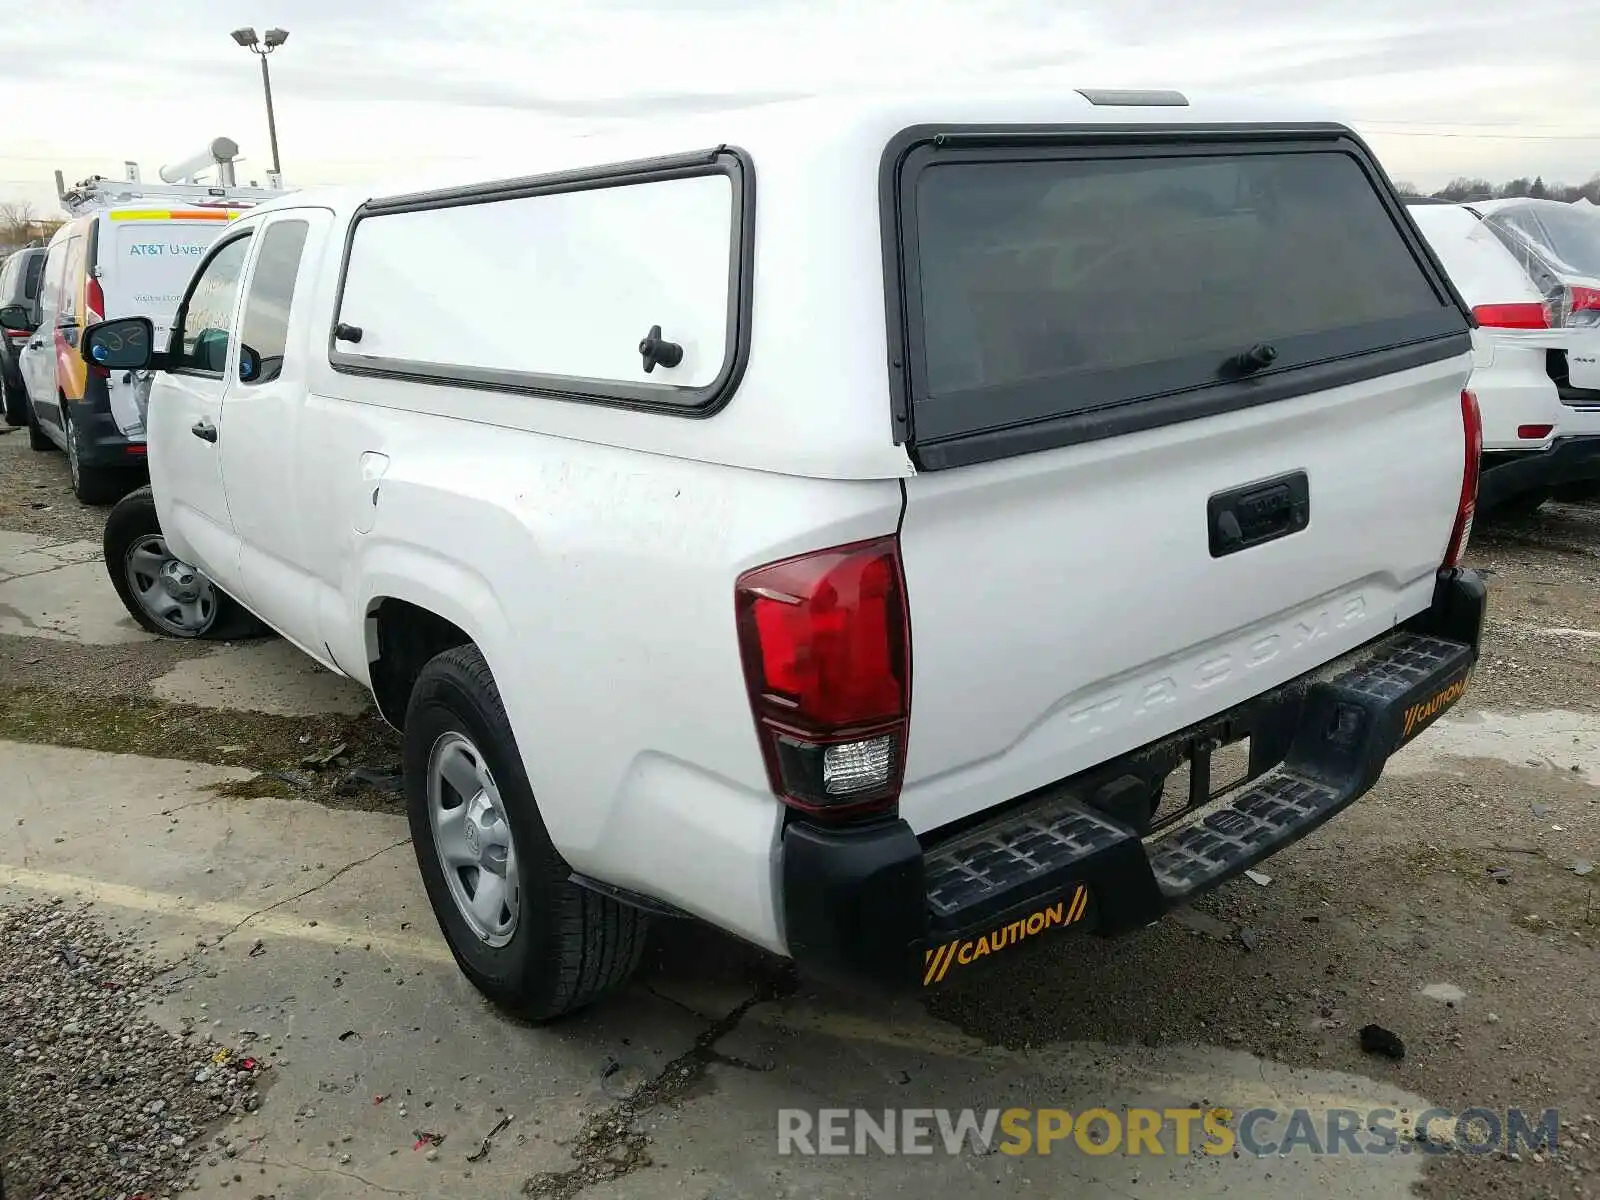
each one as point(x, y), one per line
point(16, 222)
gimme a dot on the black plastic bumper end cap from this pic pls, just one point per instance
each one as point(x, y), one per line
point(854, 903)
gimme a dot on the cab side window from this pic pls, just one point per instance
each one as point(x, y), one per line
point(264, 331)
point(72, 282)
point(30, 285)
point(203, 333)
point(55, 270)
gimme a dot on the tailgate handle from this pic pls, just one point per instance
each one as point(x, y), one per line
point(1260, 512)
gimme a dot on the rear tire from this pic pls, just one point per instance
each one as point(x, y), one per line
point(1579, 493)
point(15, 402)
point(133, 528)
point(37, 438)
point(1521, 506)
point(560, 946)
point(91, 485)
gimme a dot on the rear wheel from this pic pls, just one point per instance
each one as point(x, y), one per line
point(1521, 506)
point(163, 593)
point(14, 401)
point(37, 438)
point(91, 485)
point(1579, 493)
point(527, 937)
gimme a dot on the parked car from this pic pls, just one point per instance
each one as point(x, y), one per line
point(1536, 441)
point(112, 262)
point(19, 287)
point(1559, 245)
point(852, 564)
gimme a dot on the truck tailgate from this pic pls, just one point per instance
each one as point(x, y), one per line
point(1067, 607)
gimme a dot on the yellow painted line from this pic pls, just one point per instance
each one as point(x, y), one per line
point(426, 945)
point(927, 1038)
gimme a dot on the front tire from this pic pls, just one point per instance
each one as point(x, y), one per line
point(160, 591)
point(523, 933)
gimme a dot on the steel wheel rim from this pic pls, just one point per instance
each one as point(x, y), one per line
point(171, 593)
point(472, 837)
point(72, 446)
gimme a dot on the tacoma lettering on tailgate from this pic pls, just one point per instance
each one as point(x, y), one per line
point(1250, 653)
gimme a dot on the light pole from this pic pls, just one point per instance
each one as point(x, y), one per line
point(261, 47)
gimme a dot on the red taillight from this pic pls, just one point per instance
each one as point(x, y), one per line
point(94, 304)
point(1583, 299)
point(138, 448)
point(1568, 302)
point(94, 300)
point(1512, 316)
point(825, 639)
point(1472, 436)
point(1533, 433)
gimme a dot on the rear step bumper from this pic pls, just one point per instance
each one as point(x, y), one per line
point(874, 905)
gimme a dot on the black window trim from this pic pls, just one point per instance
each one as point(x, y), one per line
point(292, 216)
point(181, 317)
point(669, 399)
point(918, 147)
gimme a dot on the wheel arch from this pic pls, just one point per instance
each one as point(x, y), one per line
point(412, 615)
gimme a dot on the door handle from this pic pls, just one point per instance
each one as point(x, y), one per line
point(204, 430)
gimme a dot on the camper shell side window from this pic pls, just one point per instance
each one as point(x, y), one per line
point(630, 285)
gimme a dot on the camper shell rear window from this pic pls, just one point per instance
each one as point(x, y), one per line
point(1056, 286)
point(563, 285)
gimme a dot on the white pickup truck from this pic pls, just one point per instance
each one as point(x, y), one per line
point(1016, 516)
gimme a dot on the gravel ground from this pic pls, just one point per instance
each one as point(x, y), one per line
point(36, 493)
point(96, 1101)
point(1467, 875)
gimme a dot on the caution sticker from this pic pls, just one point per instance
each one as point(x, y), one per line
point(1419, 716)
point(965, 951)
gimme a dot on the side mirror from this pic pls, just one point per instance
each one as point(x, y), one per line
point(124, 344)
point(17, 318)
point(210, 351)
point(249, 365)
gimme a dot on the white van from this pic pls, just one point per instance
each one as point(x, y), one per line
point(123, 260)
point(841, 522)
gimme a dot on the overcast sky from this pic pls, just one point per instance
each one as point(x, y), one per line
point(366, 88)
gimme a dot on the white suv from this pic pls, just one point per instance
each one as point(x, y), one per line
point(1530, 269)
point(855, 561)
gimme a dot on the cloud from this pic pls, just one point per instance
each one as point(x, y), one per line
point(369, 87)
